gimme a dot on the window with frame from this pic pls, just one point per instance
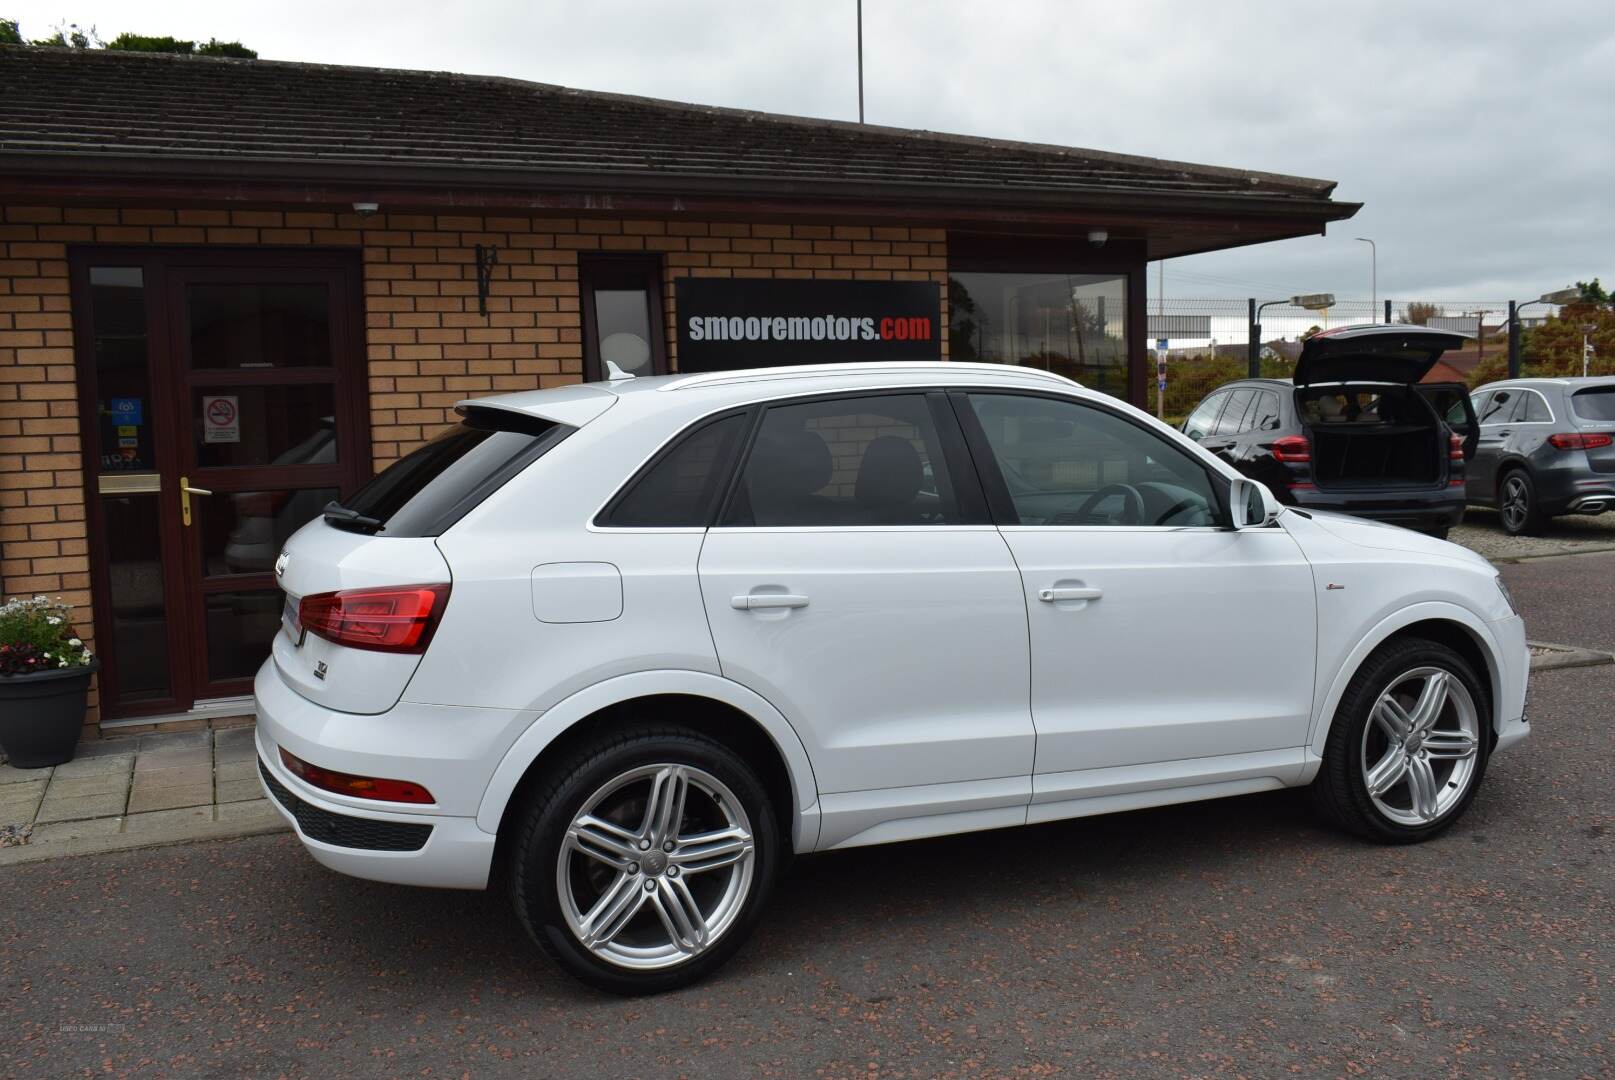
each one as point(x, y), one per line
point(681, 486)
point(1067, 463)
point(1533, 409)
point(1265, 413)
point(861, 461)
point(1232, 420)
point(1204, 417)
point(1499, 408)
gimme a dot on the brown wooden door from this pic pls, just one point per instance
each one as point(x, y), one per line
point(245, 373)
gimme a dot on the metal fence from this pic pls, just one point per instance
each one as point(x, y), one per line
point(1208, 342)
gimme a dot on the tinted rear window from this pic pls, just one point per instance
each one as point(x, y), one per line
point(428, 490)
point(1597, 403)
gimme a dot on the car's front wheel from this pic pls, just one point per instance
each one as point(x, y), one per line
point(1408, 746)
point(1518, 505)
point(643, 861)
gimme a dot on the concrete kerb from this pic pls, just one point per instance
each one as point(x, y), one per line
point(179, 833)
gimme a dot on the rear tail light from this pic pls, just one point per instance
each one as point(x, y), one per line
point(1455, 448)
point(384, 620)
point(1580, 440)
point(1293, 448)
point(360, 787)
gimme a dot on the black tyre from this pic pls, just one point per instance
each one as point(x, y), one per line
point(1439, 533)
point(1518, 505)
point(642, 861)
point(1409, 744)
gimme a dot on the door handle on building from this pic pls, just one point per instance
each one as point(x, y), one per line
point(185, 493)
point(1050, 596)
point(757, 601)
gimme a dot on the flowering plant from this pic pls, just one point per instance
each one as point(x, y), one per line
point(37, 635)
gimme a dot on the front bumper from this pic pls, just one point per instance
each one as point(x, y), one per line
point(1514, 670)
point(394, 842)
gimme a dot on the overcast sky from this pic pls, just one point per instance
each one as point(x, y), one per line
point(1478, 134)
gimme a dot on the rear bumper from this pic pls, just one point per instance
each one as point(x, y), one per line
point(1430, 509)
point(376, 840)
point(1578, 490)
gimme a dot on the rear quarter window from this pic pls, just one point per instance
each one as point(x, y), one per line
point(431, 488)
point(1595, 403)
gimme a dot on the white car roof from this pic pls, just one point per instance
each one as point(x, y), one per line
point(580, 403)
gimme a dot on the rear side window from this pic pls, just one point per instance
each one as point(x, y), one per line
point(1265, 416)
point(1231, 422)
point(1533, 409)
point(854, 462)
point(682, 485)
point(428, 490)
point(1597, 403)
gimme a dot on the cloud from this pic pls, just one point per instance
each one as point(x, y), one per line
point(1475, 133)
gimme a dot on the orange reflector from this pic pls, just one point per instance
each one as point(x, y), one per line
point(360, 787)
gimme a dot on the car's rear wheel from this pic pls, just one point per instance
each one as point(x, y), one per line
point(1518, 504)
point(643, 860)
point(1408, 746)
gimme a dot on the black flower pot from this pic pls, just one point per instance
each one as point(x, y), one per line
point(41, 714)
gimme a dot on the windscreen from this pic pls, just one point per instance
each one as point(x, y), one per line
point(428, 490)
point(1595, 403)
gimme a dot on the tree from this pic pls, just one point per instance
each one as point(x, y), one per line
point(1420, 313)
point(70, 36)
point(1592, 292)
point(150, 44)
point(9, 34)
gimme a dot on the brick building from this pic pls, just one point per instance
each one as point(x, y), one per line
point(265, 281)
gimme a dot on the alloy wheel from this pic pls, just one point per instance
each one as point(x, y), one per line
point(656, 866)
point(1516, 502)
point(1420, 747)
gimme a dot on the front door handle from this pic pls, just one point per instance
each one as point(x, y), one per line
point(756, 601)
point(1064, 592)
point(185, 493)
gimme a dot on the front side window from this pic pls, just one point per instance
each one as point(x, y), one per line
point(1499, 407)
point(864, 461)
point(1204, 418)
point(1073, 324)
point(1066, 463)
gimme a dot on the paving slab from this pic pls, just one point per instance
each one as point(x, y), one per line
point(200, 739)
point(150, 761)
point(236, 770)
point(112, 783)
point(235, 744)
point(231, 791)
point(52, 832)
point(96, 766)
point(169, 796)
point(78, 807)
point(10, 774)
point(165, 819)
point(20, 802)
point(90, 748)
point(258, 811)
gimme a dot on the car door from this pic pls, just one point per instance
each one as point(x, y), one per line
point(1224, 437)
point(1167, 649)
point(1494, 409)
point(856, 581)
point(1452, 403)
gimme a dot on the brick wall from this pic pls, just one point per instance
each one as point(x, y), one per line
point(427, 346)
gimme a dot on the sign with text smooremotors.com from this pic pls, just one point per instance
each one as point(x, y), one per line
point(725, 323)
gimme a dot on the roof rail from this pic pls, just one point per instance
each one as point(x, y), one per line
point(809, 371)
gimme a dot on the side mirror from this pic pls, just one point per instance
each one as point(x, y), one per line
point(1254, 506)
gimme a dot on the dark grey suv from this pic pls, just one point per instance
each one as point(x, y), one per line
point(1546, 447)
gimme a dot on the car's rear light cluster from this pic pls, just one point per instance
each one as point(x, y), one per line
point(360, 787)
point(1580, 440)
point(1455, 448)
point(399, 619)
point(1293, 448)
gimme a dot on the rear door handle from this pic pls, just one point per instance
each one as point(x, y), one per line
point(755, 601)
point(1049, 596)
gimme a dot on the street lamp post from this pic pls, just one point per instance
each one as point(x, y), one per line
point(1310, 301)
point(1373, 275)
point(1559, 297)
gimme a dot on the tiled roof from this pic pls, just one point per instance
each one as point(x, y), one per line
point(77, 105)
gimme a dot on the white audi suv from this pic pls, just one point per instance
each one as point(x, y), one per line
point(626, 647)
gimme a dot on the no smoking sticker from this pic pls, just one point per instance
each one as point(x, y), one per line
point(221, 418)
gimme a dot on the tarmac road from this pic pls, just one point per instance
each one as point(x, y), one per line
point(1237, 937)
